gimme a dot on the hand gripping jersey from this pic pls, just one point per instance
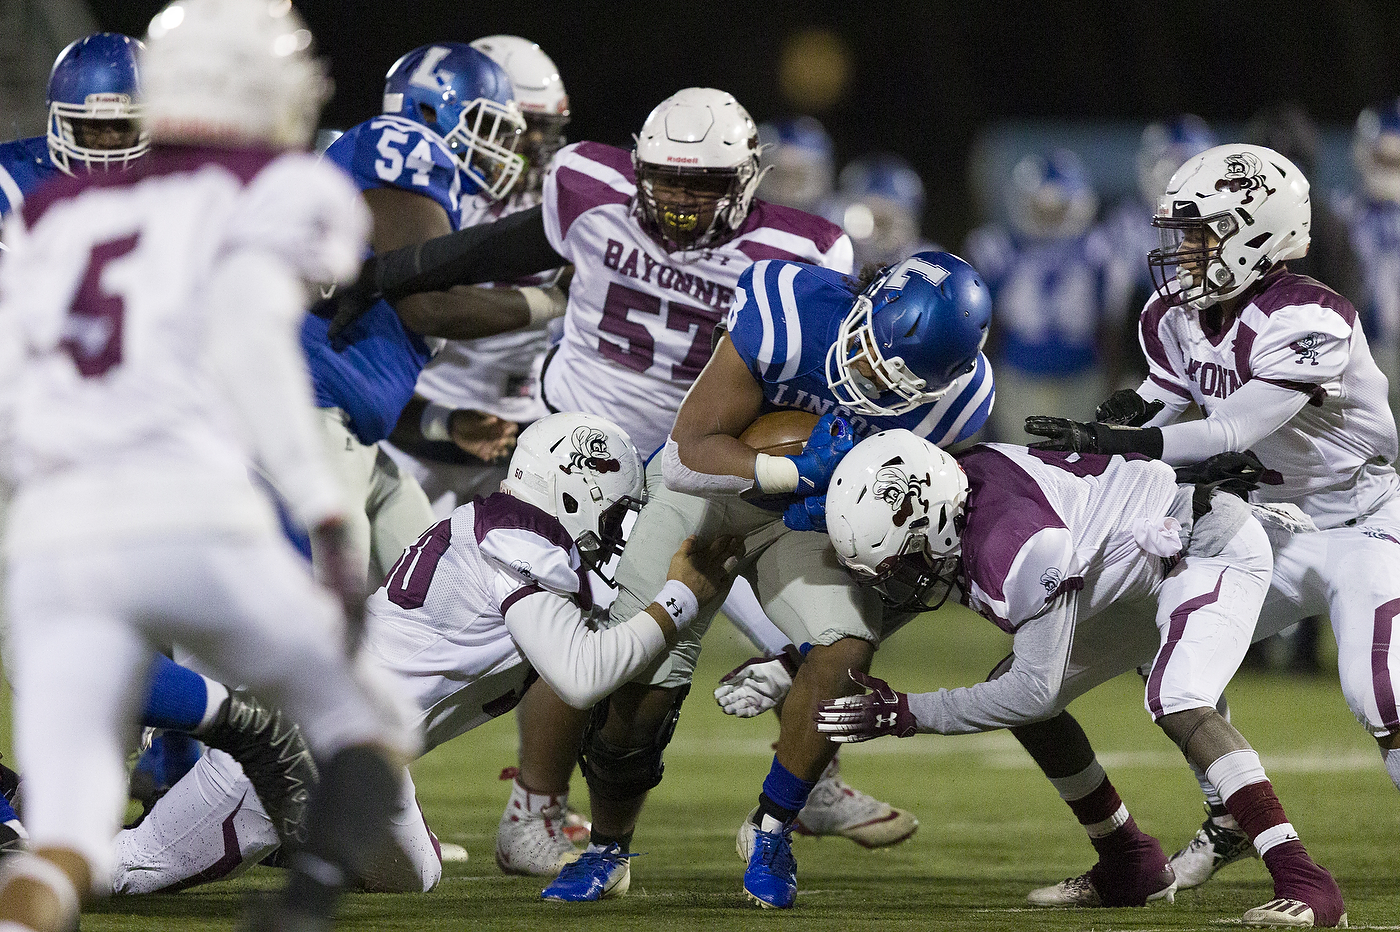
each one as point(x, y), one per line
point(1052, 298)
point(121, 415)
point(446, 620)
point(640, 320)
point(784, 320)
point(1336, 454)
point(372, 378)
point(24, 165)
point(496, 374)
point(1040, 523)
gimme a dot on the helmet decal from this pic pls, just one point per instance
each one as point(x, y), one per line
point(1243, 172)
point(899, 490)
point(590, 452)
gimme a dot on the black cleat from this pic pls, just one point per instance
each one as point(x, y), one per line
point(274, 757)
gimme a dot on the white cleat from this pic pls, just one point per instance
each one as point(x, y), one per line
point(1079, 892)
point(1284, 913)
point(835, 808)
point(534, 844)
point(1213, 847)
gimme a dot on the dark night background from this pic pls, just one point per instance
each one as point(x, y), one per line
point(924, 77)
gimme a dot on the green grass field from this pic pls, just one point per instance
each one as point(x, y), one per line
point(991, 827)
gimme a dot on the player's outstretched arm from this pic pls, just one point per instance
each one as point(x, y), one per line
point(584, 666)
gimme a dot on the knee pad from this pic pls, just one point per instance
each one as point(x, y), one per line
point(614, 772)
point(1202, 734)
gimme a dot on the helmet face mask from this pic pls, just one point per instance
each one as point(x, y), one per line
point(685, 207)
point(94, 105)
point(1230, 214)
point(484, 141)
point(918, 328)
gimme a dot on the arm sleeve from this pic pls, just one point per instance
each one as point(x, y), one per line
point(1249, 415)
point(681, 478)
point(1027, 692)
point(256, 302)
point(509, 249)
point(581, 666)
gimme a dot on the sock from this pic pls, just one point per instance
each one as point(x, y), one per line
point(1093, 800)
point(784, 794)
point(597, 841)
point(1249, 796)
point(180, 699)
point(523, 799)
point(1217, 805)
point(347, 829)
point(1392, 765)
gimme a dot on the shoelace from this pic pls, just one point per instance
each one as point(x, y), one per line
point(773, 853)
point(590, 859)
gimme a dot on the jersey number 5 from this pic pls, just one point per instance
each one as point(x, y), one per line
point(92, 334)
point(640, 349)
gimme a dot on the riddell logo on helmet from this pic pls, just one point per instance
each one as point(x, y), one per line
point(683, 160)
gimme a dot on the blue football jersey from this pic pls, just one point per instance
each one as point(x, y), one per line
point(785, 317)
point(1051, 298)
point(372, 378)
point(24, 165)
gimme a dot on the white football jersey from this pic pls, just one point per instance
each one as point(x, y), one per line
point(1336, 455)
point(1040, 523)
point(124, 414)
point(640, 321)
point(497, 374)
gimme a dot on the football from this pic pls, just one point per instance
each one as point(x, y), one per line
point(780, 433)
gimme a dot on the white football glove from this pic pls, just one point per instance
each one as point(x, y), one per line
point(758, 684)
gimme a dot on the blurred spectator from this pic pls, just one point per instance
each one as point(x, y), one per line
point(1372, 216)
point(799, 163)
point(1059, 296)
point(880, 204)
point(1165, 146)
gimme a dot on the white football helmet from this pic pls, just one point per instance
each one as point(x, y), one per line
point(238, 72)
point(697, 168)
point(540, 94)
point(894, 512)
point(583, 470)
point(1229, 215)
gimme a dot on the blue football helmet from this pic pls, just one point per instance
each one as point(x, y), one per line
point(466, 98)
point(918, 327)
point(1165, 147)
point(1375, 148)
point(880, 206)
point(803, 160)
point(1051, 197)
point(94, 104)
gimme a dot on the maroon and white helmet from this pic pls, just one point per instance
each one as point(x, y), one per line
point(697, 169)
point(894, 512)
point(583, 470)
point(1229, 215)
point(540, 95)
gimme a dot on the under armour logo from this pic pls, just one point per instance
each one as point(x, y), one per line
point(673, 607)
point(886, 721)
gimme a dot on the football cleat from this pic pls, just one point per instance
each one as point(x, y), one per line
point(1212, 847)
point(771, 878)
point(274, 757)
point(1080, 891)
point(597, 874)
point(1285, 913)
point(835, 808)
point(533, 843)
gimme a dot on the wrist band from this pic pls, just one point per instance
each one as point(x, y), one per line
point(775, 475)
point(679, 602)
point(544, 305)
point(434, 424)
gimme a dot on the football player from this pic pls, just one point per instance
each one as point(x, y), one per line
point(880, 205)
point(1059, 297)
point(147, 334)
point(488, 605)
point(94, 119)
point(798, 160)
point(658, 238)
point(1072, 555)
point(1280, 367)
point(903, 350)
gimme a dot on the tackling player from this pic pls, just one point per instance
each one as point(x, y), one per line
point(1280, 367)
point(140, 381)
point(902, 351)
point(489, 605)
point(1072, 555)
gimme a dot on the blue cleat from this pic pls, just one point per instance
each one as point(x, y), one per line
point(596, 875)
point(771, 877)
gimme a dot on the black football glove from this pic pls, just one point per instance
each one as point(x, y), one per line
point(1126, 408)
point(1068, 436)
point(1236, 473)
